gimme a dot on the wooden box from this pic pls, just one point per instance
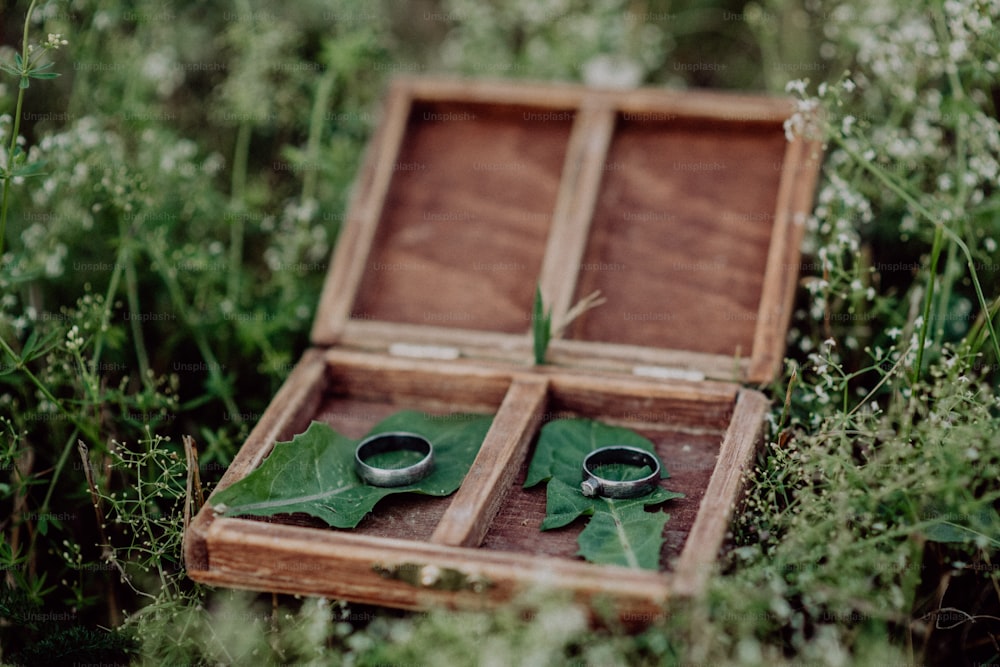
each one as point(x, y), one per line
point(684, 209)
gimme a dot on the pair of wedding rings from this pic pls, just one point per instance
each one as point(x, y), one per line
point(593, 485)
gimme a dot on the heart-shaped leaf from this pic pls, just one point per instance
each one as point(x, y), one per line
point(314, 472)
point(620, 531)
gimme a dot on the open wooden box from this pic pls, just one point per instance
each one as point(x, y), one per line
point(684, 209)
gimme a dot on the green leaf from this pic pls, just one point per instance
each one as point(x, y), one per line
point(541, 326)
point(28, 170)
point(314, 473)
point(564, 443)
point(564, 503)
point(619, 531)
point(43, 75)
point(945, 531)
point(624, 535)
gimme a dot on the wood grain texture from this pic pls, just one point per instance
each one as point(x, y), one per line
point(681, 233)
point(363, 215)
point(378, 336)
point(581, 178)
point(345, 566)
point(713, 105)
point(698, 560)
point(800, 171)
point(596, 355)
point(492, 474)
point(399, 380)
point(464, 227)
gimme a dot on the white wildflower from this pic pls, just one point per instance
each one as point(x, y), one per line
point(796, 86)
point(73, 339)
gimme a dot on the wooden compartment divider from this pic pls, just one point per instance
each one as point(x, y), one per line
point(581, 180)
point(493, 472)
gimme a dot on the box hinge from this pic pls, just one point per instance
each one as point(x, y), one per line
point(424, 351)
point(667, 373)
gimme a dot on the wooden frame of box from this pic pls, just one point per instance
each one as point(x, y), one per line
point(684, 209)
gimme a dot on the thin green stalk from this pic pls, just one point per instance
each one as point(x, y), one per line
point(15, 130)
point(976, 336)
point(949, 275)
point(237, 200)
point(56, 472)
point(323, 92)
point(140, 485)
point(177, 297)
point(19, 363)
point(132, 294)
point(947, 278)
point(928, 300)
point(109, 298)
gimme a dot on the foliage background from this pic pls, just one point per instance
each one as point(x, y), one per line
point(159, 277)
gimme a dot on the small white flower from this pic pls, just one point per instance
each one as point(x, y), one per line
point(73, 339)
point(796, 86)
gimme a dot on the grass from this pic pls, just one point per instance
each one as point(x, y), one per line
point(169, 205)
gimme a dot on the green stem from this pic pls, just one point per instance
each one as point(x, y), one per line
point(19, 363)
point(237, 200)
point(56, 473)
point(323, 92)
point(928, 299)
point(177, 297)
point(109, 298)
point(15, 130)
point(132, 294)
point(947, 278)
point(141, 506)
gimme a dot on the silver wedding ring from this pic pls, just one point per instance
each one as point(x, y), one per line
point(393, 442)
point(594, 485)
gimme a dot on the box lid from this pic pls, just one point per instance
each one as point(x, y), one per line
point(684, 209)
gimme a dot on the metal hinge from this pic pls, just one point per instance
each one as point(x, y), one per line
point(667, 373)
point(414, 351)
